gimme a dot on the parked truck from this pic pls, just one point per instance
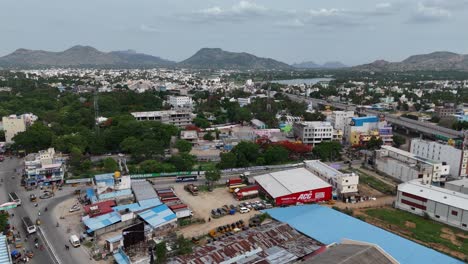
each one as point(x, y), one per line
point(191, 188)
point(246, 192)
point(233, 181)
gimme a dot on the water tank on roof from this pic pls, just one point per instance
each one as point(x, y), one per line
point(116, 174)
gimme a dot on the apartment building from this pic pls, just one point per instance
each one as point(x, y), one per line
point(345, 184)
point(339, 119)
point(13, 124)
point(180, 101)
point(457, 159)
point(170, 117)
point(43, 167)
point(315, 132)
point(405, 166)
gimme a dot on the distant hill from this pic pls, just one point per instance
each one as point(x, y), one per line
point(80, 56)
point(313, 65)
point(436, 61)
point(215, 58)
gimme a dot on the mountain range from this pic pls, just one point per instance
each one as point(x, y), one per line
point(313, 65)
point(216, 58)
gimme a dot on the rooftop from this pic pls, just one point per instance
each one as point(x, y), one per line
point(101, 221)
point(4, 252)
point(143, 190)
point(290, 181)
point(461, 183)
point(434, 193)
point(158, 215)
point(140, 206)
point(330, 226)
point(324, 168)
point(157, 113)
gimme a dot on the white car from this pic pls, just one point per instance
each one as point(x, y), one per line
point(244, 210)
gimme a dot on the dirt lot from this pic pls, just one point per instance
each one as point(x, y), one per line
point(202, 205)
point(69, 222)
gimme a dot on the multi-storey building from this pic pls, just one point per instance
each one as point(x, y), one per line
point(315, 132)
point(44, 167)
point(405, 166)
point(447, 110)
point(180, 101)
point(457, 159)
point(345, 184)
point(13, 124)
point(339, 119)
point(171, 117)
point(361, 129)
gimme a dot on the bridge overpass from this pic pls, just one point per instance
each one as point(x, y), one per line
point(414, 125)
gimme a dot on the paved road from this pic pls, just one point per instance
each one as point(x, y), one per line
point(7, 170)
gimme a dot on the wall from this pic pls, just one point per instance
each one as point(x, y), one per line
point(311, 196)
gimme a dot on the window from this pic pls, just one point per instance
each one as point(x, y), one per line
point(455, 213)
point(437, 216)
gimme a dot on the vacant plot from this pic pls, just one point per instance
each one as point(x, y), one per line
point(375, 183)
point(433, 234)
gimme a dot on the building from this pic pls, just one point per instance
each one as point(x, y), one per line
point(272, 242)
point(44, 167)
point(458, 185)
point(445, 111)
point(405, 166)
point(457, 159)
point(258, 124)
point(345, 184)
point(440, 204)
point(330, 226)
point(5, 255)
point(180, 101)
point(13, 124)
point(170, 117)
point(244, 101)
point(294, 186)
point(315, 132)
point(189, 135)
point(339, 119)
point(361, 129)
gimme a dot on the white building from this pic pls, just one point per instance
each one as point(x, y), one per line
point(315, 132)
point(44, 167)
point(457, 159)
point(339, 119)
point(439, 204)
point(13, 124)
point(244, 101)
point(405, 166)
point(458, 185)
point(171, 117)
point(180, 101)
point(345, 184)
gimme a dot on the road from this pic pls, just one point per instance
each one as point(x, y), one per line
point(55, 237)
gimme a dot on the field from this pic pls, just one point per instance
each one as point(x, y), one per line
point(441, 237)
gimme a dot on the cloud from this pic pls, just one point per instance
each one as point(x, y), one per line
point(244, 10)
point(148, 28)
point(429, 13)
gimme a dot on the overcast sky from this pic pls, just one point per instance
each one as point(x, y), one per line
point(351, 31)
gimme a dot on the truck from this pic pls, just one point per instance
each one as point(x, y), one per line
point(233, 181)
point(191, 188)
point(183, 213)
point(246, 192)
point(29, 226)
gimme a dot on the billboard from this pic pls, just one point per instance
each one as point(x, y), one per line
point(133, 235)
point(311, 196)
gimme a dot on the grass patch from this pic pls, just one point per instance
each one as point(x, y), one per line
point(88, 244)
point(205, 166)
point(427, 231)
point(375, 183)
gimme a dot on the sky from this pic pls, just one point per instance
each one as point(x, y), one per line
point(350, 31)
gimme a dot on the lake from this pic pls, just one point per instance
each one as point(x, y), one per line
point(310, 81)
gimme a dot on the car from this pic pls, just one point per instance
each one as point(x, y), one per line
point(74, 208)
point(244, 210)
point(268, 205)
point(46, 195)
point(121, 155)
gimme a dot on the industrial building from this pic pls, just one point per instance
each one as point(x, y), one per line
point(315, 132)
point(440, 204)
point(170, 117)
point(457, 159)
point(405, 166)
point(295, 186)
point(345, 184)
point(361, 129)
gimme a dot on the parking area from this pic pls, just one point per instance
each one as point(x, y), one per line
point(202, 205)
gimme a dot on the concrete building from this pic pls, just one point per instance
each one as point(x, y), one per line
point(315, 132)
point(457, 159)
point(339, 119)
point(442, 205)
point(13, 124)
point(244, 101)
point(170, 117)
point(180, 101)
point(345, 184)
point(405, 166)
point(458, 185)
point(44, 167)
point(445, 111)
point(361, 129)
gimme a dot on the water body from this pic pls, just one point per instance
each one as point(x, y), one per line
point(310, 81)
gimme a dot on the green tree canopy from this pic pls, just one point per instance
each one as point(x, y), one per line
point(110, 165)
point(36, 137)
point(327, 150)
point(183, 145)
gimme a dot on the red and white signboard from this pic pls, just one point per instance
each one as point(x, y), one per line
point(311, 196)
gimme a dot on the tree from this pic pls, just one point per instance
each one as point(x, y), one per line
point(374, 143)
point(161, 252)
point(398, 141)
point(208, 136)
point(201, 122)
point(184, 246)
point(246, 153)
point(183, 145)
point(213, 176)
point(3, 221)
point(228, 160)
point(276, 154)
point(110, 165)
point(183, 161)
point(327, 151)
point(316, 116)
point(36, 137)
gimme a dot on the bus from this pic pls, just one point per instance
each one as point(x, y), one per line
point(29, 225)
point(232, 188)
point(186, 178)
point(14, 198)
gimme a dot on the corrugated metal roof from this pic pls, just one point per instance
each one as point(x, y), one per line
point(4, 252)
point(136, 207)
point(143, 190)
point(285, 182)
point(434, 193)
point(330, 226)
point(350, 254)
point(101, 221)
point(115, 194)
point(158, 215)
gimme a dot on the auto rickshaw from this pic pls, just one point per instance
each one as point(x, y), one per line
point(38, 222)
